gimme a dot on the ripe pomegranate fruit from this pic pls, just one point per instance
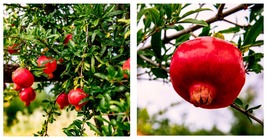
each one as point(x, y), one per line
point(22, 77)
point(75, 96)
point(125, 67)
point(62, 100)
point(49, 63)
point(67, 39)
point(17, 87)
point(207, 72)
point(27, 95)
point(12, 49)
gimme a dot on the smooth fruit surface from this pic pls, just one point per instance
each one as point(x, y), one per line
point(12, 49)
point(62, 100)
point(125, 67)
point(67, 39)
point(17, 87)
point(75, 96)
point(207, 72)
point(49, 63)
point(27, 95)
point(23, 77)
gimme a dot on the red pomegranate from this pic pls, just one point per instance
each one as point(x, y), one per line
point(125, 67)
point(207, 72)
point(12, 49)
point(67, 39)
point(17, 87)
point(22, 77)
point(62, 100)
point(49, 63)
point(75, 96)
point(27, 95)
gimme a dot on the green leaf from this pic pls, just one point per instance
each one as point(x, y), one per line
point(254, 32)
point(255, 107)
point(93, 64)
point(195, 11)
point(153, 13)
point(156, 44)
point(140, 14)
point(159, 73)
point(102, 76)
point(93, 127)
point(100, 118)
point(194, 21)
point(238, 102)
point(230, 30)
point(182, 39)
point(126, 21)
point(205, 31)
point(168, 10)
point(95, 22)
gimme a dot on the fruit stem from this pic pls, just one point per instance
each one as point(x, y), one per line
point(201, 94)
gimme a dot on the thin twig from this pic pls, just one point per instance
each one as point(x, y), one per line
point(152, 62)
point(242, 26)
point(195, 27)
point(246, 113)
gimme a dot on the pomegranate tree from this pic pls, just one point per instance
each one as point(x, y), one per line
point(22, 77)
point(62, 100)
point(27, 95)
point(75, 96)
point(207, 72)
point(49, 63)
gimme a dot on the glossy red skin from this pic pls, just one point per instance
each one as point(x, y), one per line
point(75, 96)
point(62, 100)
point(17, 87)
point(49, 63)
point(126, 66)
point(12, 49)
point(27, 95)
point(210, 61)
point(23, 77)
point(67, 39)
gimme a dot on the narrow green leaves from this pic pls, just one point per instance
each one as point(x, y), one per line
point(156, 44)
point(254, 32)
point(195, 11)
point(194, 21)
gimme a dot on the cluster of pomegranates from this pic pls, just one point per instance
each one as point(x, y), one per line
point(23, 80)
point(74, 98)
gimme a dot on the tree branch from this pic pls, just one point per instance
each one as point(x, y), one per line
point(153, 63)
point(194, 28)
point(246, 113)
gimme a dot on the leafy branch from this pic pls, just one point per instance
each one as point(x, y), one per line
point(248, 112)
point(219, 16)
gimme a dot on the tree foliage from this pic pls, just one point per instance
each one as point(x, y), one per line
point(92, 60)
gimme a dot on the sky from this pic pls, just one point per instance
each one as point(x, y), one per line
point(156, 95)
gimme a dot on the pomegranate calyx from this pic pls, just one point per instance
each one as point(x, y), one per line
point(201, 94)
